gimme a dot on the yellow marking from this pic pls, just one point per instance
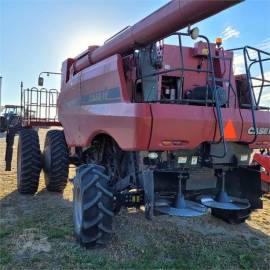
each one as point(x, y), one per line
point(205, 51)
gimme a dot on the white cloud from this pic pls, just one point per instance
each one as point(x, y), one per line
point(264, 45)
point(259, 76)
point(238, 64)
point(239, 68)
point(265, 97)
point(230, 32)
point(267, 75)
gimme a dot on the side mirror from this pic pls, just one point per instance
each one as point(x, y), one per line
point(40, 81)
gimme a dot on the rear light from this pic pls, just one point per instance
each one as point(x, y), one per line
point(167, 143)
point(153, 155)
point(173, 143)
point(177, 142)
point(218, 42)
point(194, 160)
point(244, 157)
point(182, 160)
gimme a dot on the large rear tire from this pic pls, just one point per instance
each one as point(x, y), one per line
point(28, 162)
point(92, 206)
point(56, 161)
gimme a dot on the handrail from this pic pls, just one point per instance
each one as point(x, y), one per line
point(215, 99)
point(217, 104)
point(255, 104)
point(252, 96)
point(118, 33)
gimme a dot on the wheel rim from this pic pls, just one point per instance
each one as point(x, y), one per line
point(77, 202)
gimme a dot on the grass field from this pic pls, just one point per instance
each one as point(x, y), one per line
point(36, 233)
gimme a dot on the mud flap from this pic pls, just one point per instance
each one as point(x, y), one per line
point(9, 148)
point(245, 183)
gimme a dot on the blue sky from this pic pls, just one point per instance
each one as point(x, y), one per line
point(37, 35)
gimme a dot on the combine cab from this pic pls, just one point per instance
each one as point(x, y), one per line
point(151, 122)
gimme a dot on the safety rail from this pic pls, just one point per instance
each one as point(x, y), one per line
point(258, 57)
point(39, 107)
point(117, 34)
point(249, 61)
point(211, 84)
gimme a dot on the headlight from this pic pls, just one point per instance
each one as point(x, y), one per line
point(194, 33)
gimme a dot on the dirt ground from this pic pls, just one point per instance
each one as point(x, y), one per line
point(36, 233)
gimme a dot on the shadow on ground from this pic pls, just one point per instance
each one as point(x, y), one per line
point(36, 232)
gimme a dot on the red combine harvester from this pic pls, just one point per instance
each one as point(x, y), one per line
point(167, 127)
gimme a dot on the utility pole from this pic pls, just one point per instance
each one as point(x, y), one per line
point(0, 91)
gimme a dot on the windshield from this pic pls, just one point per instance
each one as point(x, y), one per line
point(12, 110)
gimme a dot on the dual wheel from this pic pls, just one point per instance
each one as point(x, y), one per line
point(92, 198)
point(55, 161)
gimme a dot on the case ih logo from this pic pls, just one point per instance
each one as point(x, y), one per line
point(260, 131)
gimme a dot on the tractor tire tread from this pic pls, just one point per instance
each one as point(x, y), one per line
point(31, 162)
point(96, 230)
point(56, 178)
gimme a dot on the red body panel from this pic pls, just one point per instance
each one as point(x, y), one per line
point(69, 109)
point(129, 124)
point(95, 101)
point(172, 60)
point(81, 108)
point(262, 121)
point(190, 124)
point(231, 116)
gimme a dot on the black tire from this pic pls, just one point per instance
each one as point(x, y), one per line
point(28, 162)
point(56, 161)
point(92, 206)
point(232, 216)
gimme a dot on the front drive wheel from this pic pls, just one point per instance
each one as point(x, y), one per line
point(92, 206)
point(28, 162)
